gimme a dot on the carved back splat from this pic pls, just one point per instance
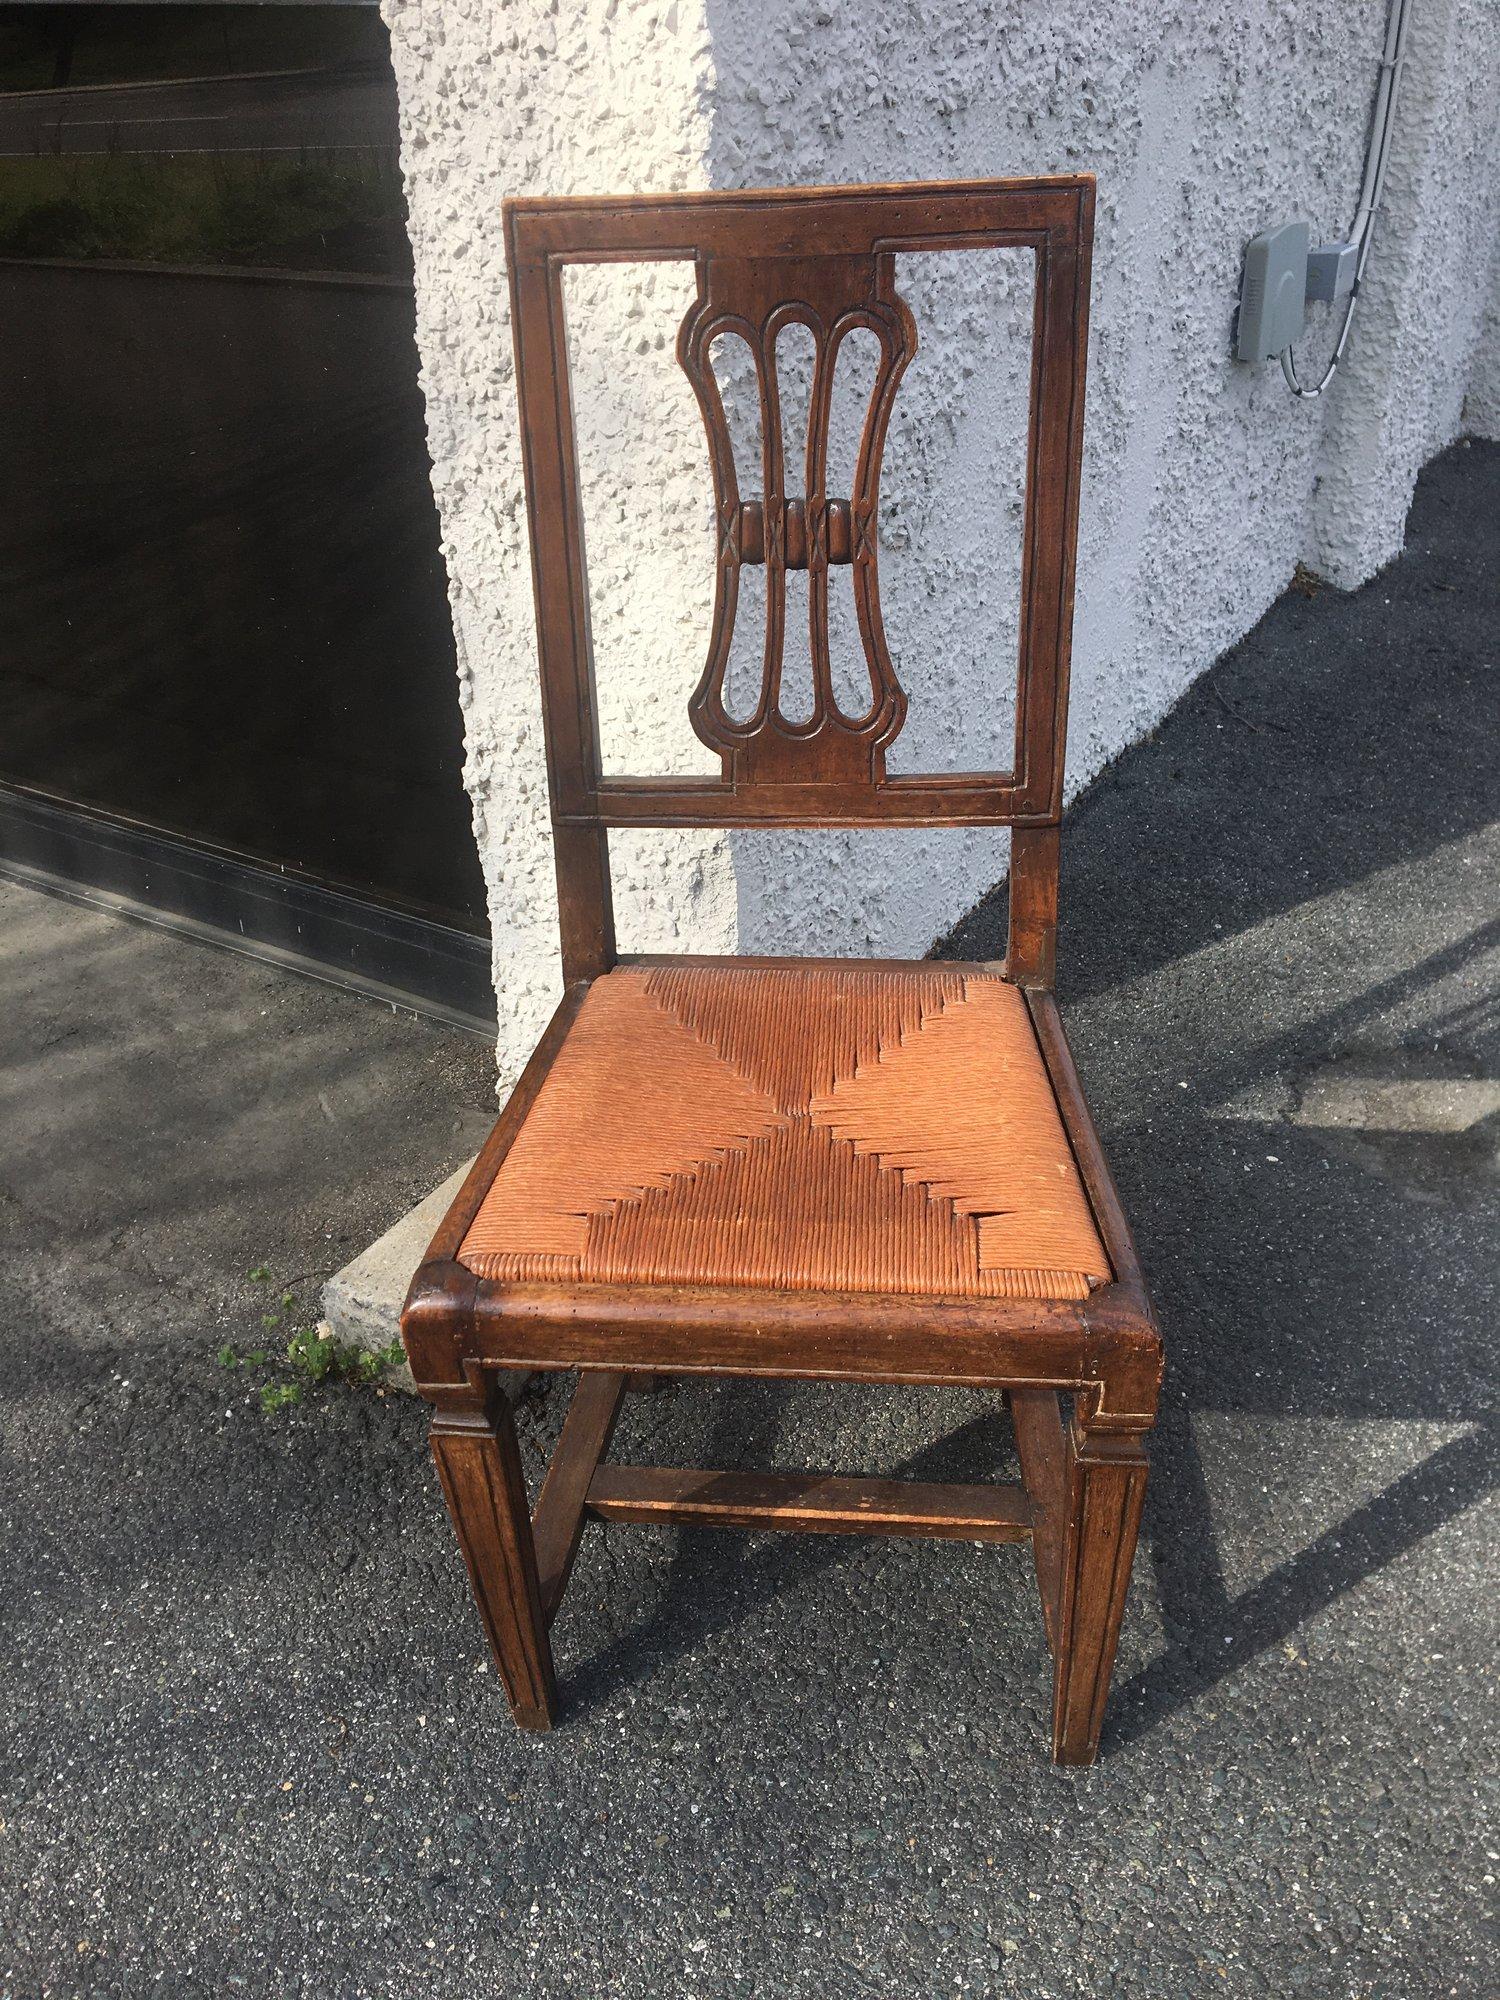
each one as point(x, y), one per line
point(823, 258)
point(798, 524)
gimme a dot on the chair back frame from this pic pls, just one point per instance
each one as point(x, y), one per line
point(823, 258)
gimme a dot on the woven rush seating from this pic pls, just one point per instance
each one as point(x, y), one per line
point(826, 1128)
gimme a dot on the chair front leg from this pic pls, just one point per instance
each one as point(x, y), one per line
point(479, 1464)
point(1104, 1485)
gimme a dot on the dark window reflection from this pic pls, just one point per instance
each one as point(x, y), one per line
point(222, 606)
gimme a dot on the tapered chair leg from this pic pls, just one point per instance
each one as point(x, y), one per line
point(479, 1464)
point(1104, 1486)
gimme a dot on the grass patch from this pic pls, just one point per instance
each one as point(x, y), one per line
point(314, 211)
point(313, 1359)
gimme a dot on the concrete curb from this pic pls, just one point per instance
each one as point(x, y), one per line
point(362, 1303)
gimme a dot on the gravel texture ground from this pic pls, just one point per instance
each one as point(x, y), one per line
point(249, 1740)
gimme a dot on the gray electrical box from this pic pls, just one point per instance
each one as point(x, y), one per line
point(1331, 270)
point(1273, 292)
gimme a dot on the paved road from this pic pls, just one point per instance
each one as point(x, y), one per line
point(322, 109)
point(248, 1740)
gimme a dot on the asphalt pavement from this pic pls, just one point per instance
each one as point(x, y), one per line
point(250, 1742)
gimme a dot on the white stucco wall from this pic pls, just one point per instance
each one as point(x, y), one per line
point(1482, 403)
point(1205, 483)
point(1399, 397)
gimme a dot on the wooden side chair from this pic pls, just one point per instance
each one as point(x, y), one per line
point(817, 1170)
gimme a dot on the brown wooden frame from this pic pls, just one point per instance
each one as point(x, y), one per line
point(828, 254)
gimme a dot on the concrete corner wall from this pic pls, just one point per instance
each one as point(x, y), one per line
point(1205, 483)
point(1482, 402)
point(1399, 396)
point(503, 97)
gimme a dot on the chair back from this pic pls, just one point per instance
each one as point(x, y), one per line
point(823, 259)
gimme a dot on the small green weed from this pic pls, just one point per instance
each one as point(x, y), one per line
point(316, 1355)
point(313, 1357)
point(275, 1396)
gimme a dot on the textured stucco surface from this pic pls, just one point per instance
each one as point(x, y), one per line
point(1400, 395)
point(1482, 404)
point(1205, 483)
point(529, 98)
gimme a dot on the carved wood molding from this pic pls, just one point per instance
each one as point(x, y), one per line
point(796, 523)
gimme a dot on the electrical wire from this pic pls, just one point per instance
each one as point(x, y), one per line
point(1372, 189)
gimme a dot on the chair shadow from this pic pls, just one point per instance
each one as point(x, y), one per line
point(1270, 781)
point(711, 1585)
point(1333, 1363)
point(1211, 1635)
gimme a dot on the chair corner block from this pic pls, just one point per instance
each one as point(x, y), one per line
point(1126, 1362)
point(436, 1321)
